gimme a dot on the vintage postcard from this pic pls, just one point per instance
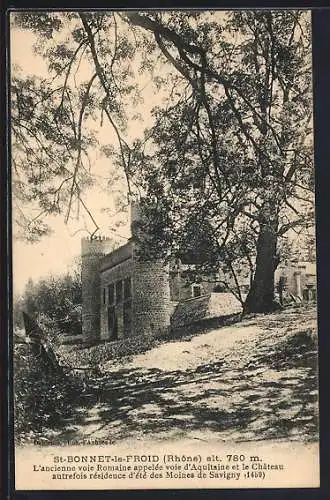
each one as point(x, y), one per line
point(164, 268)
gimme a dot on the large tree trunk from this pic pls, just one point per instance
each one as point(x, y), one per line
point(261, 297)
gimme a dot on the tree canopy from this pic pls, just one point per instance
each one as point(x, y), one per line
point(230, 144)
point(55, 301)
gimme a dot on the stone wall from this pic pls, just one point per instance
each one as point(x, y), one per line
point(91, 252)
point(182, 286)
point(151, 293)
point(223, 304)
point(117, 273)
point(189, 311)
point(211, 305)
point(150, 305)
point(117, 256)
point(298, 275)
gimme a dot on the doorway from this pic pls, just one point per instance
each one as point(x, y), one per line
point(112, 323)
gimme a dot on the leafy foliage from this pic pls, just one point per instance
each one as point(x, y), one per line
point(230, 149)
point(41, 397)
point(56, 302)
point(53, 119)
point(234, 150)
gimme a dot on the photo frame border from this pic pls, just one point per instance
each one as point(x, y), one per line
point(321, 82)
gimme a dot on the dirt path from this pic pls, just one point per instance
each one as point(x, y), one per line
point(255, 380)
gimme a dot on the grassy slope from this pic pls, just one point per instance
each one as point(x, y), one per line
point(249, 381)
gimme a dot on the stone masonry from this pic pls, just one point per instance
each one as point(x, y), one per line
point(123, 295)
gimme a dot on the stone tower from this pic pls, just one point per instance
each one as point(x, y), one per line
point(122, 293)
point(92, 249)
point(151, 297)
point(151, 286)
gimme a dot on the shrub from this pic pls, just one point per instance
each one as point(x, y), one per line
point(42, 394)
point(55, 302)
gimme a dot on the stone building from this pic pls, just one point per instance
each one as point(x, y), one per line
point(124, 295)
point(298, 278)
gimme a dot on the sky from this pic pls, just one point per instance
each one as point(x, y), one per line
point(56, 254)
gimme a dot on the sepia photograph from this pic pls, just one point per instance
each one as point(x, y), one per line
point(164, 256)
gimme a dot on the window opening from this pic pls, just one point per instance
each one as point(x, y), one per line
point(119, 291)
